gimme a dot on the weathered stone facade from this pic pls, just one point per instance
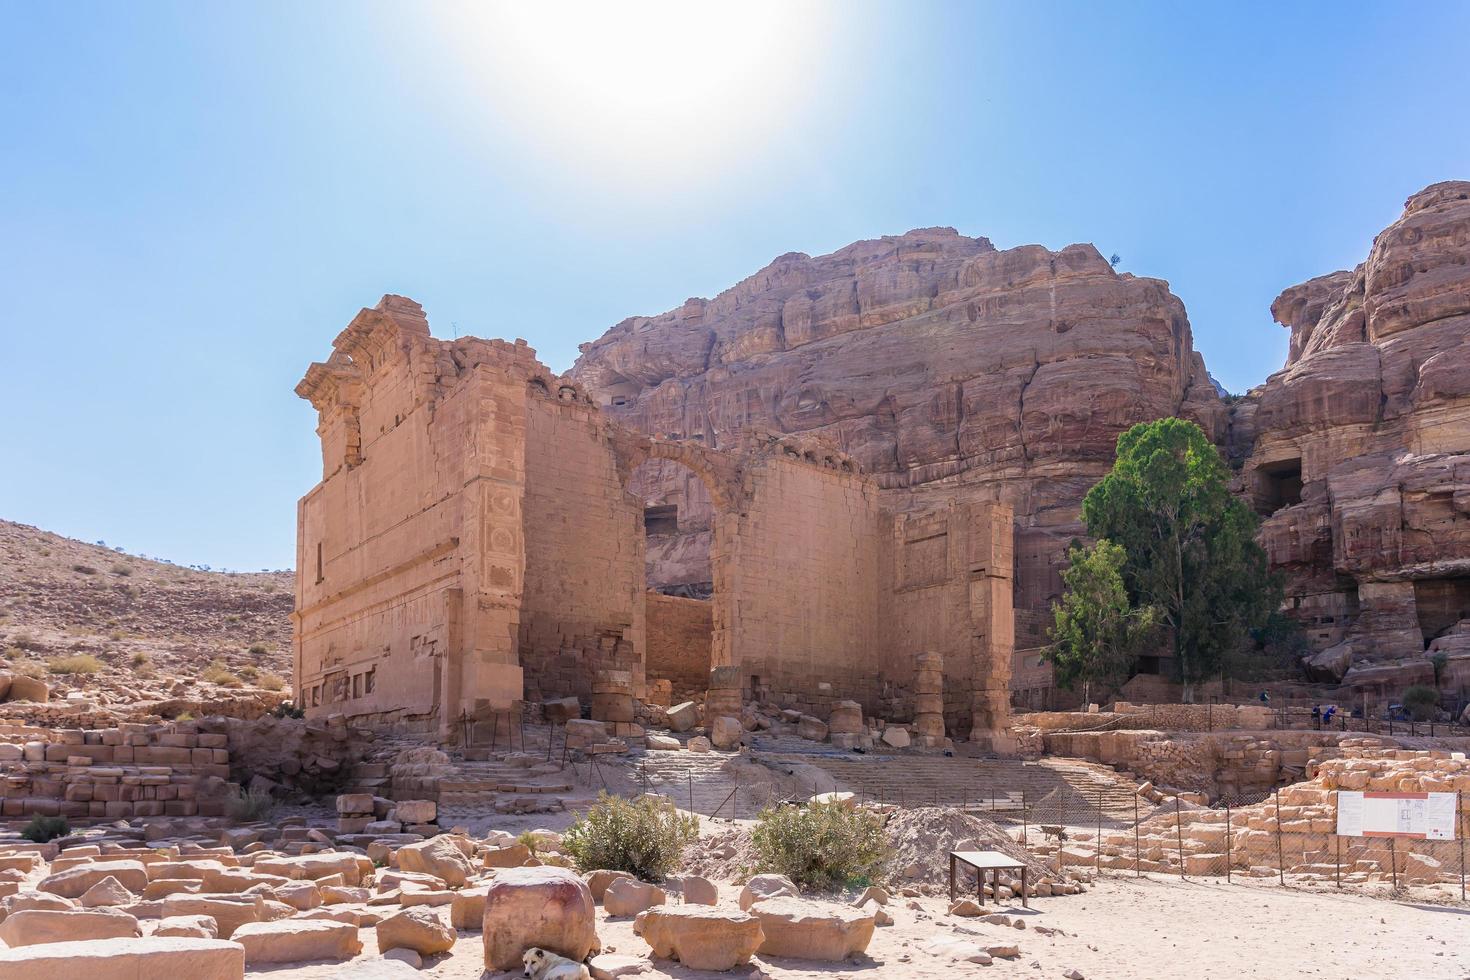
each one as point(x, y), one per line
point(1359, 452)
point(478, 539)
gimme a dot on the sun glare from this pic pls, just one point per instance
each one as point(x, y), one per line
point(653, 85)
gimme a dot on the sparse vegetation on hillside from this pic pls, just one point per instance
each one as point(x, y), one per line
point(90, 617)
point(821, 845)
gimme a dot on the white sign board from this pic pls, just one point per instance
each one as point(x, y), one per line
point(1421, 816)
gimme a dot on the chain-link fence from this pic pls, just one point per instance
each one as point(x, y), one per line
point(1287, 837)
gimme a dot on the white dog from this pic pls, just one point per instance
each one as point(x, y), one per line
point(541, 965)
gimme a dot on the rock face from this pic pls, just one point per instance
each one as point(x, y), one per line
point(946, 368)
point(1359, 451)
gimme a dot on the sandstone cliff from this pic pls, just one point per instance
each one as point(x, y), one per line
point(1361, 453)
point(947, 368)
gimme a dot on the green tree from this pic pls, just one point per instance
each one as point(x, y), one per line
point(1190, 544)
point(1096, 632)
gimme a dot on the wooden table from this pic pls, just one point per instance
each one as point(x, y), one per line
point(982, 861)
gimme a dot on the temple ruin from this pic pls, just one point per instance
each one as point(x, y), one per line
point(476, 542)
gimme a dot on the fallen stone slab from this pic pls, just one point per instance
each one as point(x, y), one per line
point(610, 966)
point(107, 892)
point(700, 937)
point(957, 950)
point(31, 926)
point(761, 887)
point(126, 959)
point(74, 882)
point(807, 930)
point(438, 856)
point(188, 926)
point(419, 929)
point(628, 896)
point(228, 911)
point(467, 908)
point(297, 940)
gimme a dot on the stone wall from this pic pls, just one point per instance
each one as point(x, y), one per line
point(133, 770)
point(678, 632)
point(582, 602)
point(805, 563)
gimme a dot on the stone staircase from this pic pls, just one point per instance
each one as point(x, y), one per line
point(1051, 790)
point(477, 784)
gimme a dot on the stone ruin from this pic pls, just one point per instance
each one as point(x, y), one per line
point(474, 545)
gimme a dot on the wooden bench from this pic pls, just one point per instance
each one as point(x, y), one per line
point(982, 861)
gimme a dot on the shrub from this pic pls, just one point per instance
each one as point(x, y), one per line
point(249, 806)
point(218, 673)
point(259, 649)
point(84, 569)
point(140, 657)
point(1421, 702)
point(27, 642)
point(288, 710)
point(820, 845)
point(42, 829)
point(645, 837)
point(29, 668)
point(122, 570)
point(249, 672)
point(81, 663)
point(272, 682)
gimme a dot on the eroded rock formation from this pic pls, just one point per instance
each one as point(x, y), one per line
point(1361, 453)
point(948, 369)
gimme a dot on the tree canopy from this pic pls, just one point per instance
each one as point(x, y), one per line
point(1189, 545)
point(1097, 633)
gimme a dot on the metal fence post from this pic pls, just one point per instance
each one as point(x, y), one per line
point(1099, 829)
point(691, 794)
point(1338, 860)
point(1280, 860)
point(1026, 830)
point(1460, 821)
point(1137, 854)
point(1227, 842)
point(1179, 833)
point(1393, 863)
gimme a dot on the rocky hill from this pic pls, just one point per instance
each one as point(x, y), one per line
point(127, 631)
point(947, 368)
point(1361, 453)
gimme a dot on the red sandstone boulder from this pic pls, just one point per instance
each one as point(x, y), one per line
point(547, 907)
point(419, 929)
point(700, 937)
point(31, 926)
point(126, 959)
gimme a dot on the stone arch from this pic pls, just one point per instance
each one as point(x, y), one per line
point(720, 476)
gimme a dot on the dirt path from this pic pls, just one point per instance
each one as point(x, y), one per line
point(1123, 929)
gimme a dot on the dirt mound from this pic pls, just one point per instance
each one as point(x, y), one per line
point(923, 837)
point(725, 856)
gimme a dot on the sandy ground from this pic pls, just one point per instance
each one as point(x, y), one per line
point(1122, 928)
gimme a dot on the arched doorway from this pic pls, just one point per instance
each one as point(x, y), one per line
point(685, 593)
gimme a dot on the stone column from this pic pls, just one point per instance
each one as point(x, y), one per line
point(723, 697)
point(929, 698)
point(612, 696)
point(992, 623)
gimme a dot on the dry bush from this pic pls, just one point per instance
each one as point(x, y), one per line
point(81, 663)
point(140, 657)
point(218, 673)
point(272, 682)
point(259, 649)
point(822, 844)
point(645, 837)
point(42, 829)
point(249, 805)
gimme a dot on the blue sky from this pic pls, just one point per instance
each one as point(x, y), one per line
point(195, 198)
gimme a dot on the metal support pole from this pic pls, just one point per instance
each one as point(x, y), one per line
point(1280, 861)
point(1339, 860)
point(1393, 863)
point(691, 793)
point(1026, 835)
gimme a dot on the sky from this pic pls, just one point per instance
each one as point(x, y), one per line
point(196, 198)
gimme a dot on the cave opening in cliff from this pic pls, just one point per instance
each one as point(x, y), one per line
point(1441, 603)
point(1280, 485)
point(678, 529)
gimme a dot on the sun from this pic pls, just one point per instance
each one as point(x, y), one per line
point(655, 84)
